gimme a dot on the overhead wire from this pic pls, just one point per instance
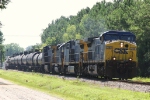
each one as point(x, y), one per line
point(22, 35)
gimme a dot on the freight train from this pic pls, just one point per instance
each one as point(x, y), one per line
point(110, 55)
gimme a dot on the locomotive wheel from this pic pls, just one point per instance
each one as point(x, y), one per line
point(59, 68)
point(76, 68)
point(107, 78)
point(53, 71)
point(42, 69)
point(64, 70)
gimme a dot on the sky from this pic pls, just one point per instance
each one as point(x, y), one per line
point(24, 20)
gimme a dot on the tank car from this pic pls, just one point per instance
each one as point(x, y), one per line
point(35, 63)
point(24, 61)
point(30, 60)
point(6, 62)
point(40, 62)
point(19, 61)
point(12, 64)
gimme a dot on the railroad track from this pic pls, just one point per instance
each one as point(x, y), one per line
point(134, 82)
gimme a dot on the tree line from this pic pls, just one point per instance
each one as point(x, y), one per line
point(128, 15)
point(3, 4)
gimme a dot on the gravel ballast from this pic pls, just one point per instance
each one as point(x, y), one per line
point(114, 84)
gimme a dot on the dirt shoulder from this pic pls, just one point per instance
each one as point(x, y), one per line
point(11, 91)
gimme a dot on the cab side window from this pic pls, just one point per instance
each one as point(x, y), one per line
point(102, 39)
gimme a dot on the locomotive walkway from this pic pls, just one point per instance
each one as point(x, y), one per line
point(10, 91)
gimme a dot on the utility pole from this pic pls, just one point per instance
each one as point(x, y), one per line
point(1, 57)
point(1, 5)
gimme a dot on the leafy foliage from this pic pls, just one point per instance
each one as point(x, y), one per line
point(1, 47)
point(3, 3)
point(1, 37)
point(35, 47)
point(128, 15)
point(12, 48)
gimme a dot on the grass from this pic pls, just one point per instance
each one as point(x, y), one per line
point(70, 89)
point(142, 79)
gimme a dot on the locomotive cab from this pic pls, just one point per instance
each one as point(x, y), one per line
point(120, 54)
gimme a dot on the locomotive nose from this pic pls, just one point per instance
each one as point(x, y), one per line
point(122, 52)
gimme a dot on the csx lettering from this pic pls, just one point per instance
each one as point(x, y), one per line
point(121, 50)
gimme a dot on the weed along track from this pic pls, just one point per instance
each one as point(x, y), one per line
point(113, 83)
point(81, 88)
point(128, 85)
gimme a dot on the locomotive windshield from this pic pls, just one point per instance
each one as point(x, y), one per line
point(111, 37)
point(127, 38)
point(117, 35)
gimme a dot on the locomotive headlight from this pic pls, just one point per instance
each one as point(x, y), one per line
point(114, 58)
point(121, 44)
point(130, 59)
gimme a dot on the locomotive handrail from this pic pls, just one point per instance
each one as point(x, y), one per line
point(74, 54)
point(75, 59)
point(91, 51)
point(56, 56)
